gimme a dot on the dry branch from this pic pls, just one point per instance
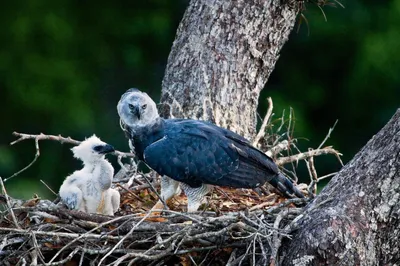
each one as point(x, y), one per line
point(261, 132)
point(308, 154)
point(59, 138)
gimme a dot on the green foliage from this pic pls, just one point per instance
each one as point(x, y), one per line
point(345, 69)
point(64, 65)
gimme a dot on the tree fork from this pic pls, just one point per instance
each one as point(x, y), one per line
point(221, 59)
point(356, 218)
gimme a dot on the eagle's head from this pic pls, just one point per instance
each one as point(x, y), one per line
point(136, 109)
point(91, 149)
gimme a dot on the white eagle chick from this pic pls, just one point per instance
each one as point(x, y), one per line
point(89, 189)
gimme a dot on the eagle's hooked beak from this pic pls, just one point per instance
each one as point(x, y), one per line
point(135, 110)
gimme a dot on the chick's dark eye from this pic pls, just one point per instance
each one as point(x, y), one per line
point(144, 106)
point(130, 106)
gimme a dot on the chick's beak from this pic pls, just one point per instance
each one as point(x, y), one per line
point(106, 149)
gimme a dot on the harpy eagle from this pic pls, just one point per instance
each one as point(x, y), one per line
point(194, 152)
point(89, 189)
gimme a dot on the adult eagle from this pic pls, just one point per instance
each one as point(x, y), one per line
point(196, 153)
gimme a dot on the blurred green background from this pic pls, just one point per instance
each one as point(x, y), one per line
point(64, 65)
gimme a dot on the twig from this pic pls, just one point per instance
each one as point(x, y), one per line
point(48, 187)
point(61, 234)
point(245, 254)
point(327, 135)
point(263, 252)
point(59, 138)
point(281, 146)
point(286, 203)
point(186, 215)
point(155, 191)
point(68, 258)
point(130, 193)
point(277, 237)
point(36, 252)
point(231, 257)
point(265, 203)
point(301, 156)
point(313, 175)
point(37, 154)
point(261, 132)
point(326, 176)
point(82, 255)
point(87, 233)
point(282, 121)
point(124, 237)
point(8, 203)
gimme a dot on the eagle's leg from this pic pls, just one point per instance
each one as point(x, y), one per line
point(169, 188)
point(195, 196)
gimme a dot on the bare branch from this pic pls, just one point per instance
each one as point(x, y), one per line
point(59, 138)
point(261, 132)
point(62, 140)
point(301, 156)
point(313, 175)
point(281, 146)
point(327, 135)
point(30, 164)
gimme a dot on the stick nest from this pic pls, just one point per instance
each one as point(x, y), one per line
point(239, 226)
point(234, 227)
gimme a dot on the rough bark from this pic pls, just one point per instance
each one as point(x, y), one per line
point(355, 219)
point(221, 59)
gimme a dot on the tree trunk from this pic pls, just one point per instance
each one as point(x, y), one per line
point(356, 218)
point(221, 59)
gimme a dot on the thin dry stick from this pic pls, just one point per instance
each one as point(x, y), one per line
point(30, 164)
point(59, 138)
point(36, 252)
point(88, 232)
point(68, 258)
point(304, 155)
point(61, 234)
point(265, 203)
point(48, 187)
point(313, 175)
point(130, 193)
point(155, 191)
point(261, 132)
point(281, 146)
point(282, 121)
point(123, 238)
point(327, 135)
point(82, 256)
point(8, 204)
point(277, 236)
point(326, 176)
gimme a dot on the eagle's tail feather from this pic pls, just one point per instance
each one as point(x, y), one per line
point(285, 186)
point(246, 176)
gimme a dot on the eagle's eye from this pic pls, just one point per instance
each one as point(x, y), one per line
point(131, 106)
point(144, 106)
